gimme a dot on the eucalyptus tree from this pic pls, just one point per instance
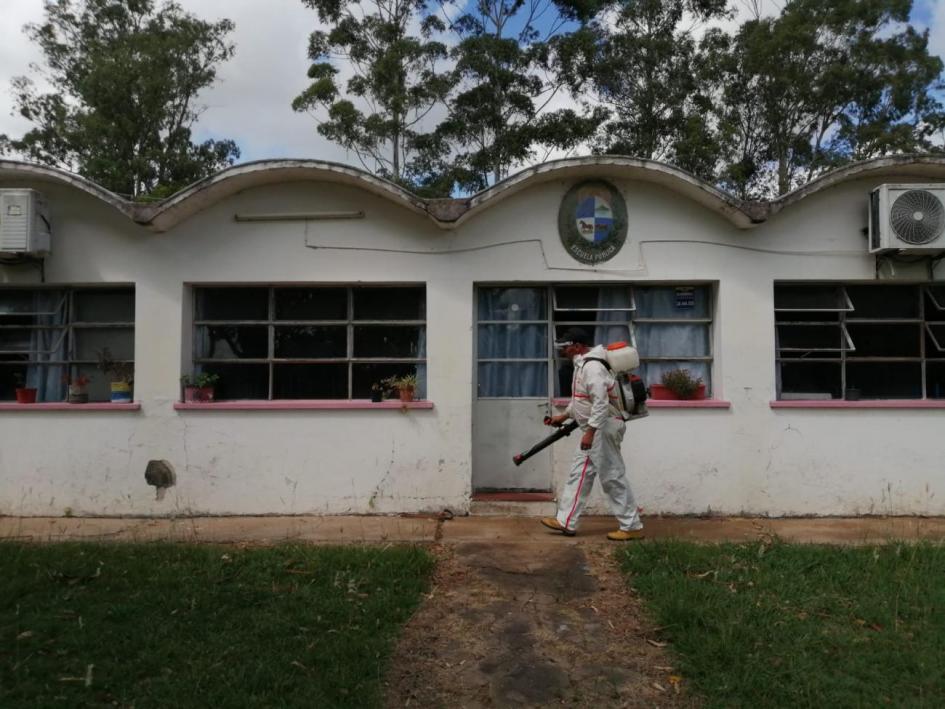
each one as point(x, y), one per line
point(123, 76)
point(508, 107)
point(389, 51)
point(817, 86)
point(639, 59)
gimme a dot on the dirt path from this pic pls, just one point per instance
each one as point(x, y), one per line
point(526, 624)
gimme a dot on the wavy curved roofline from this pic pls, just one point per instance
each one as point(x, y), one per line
point(450, 213)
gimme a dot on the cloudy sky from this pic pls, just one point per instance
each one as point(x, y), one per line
point(251, 102)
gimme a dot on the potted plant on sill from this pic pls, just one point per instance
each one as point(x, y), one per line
point(678, 384)
point(405, 386)
point(377, 392)
point(199, 389)
point(24, 394)
point(120, 374)
point(78, 388)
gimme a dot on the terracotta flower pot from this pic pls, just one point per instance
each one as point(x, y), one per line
point(198, 395)
point(660, 392)
point(406, 394)
point(25, 395)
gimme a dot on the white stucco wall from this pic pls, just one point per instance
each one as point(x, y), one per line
point(749, 458)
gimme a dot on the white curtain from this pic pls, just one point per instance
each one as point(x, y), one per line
point(48, 345)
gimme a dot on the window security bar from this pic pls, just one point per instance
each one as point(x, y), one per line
point(928, 328)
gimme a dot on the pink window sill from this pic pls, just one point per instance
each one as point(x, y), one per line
point(670, 404)
point(63, 406)
point(301, 405)
point(872, 404)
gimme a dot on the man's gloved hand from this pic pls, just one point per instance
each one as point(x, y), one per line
point(587, 440)
point(556, 421)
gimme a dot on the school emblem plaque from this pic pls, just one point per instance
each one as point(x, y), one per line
point(592, 221)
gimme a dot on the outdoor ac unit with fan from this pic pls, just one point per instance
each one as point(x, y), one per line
point(24, 223)
point(907, 218)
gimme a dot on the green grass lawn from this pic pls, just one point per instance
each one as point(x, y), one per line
point(784, 625)
point(163, 625)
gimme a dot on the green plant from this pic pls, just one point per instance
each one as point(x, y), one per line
point(116, 370)
point(407, 381)
point(681, 382)
point(202, 380)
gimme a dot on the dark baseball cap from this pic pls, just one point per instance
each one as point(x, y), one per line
point(574, 336)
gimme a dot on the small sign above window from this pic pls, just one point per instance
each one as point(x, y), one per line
point(685, 297)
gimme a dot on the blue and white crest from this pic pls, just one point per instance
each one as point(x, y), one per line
point(594, 218)
point(592, 221)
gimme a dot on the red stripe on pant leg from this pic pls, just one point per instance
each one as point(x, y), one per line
point(577, 495)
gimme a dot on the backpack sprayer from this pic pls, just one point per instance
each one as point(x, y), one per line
point(620, 360)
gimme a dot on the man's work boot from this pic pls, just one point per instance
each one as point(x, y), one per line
point(625, 535)
point(553, 523)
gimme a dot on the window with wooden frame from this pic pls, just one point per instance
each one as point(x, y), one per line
point(860, 341)
point(517, 326)
point(51, 335)
point(308, 342)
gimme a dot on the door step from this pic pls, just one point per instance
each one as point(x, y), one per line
point(519, 504)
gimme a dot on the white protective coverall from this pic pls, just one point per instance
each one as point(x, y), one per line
point(595, 404)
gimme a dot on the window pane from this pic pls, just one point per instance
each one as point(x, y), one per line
point(99, 386)
point(594, 298)
point(295, 341)
point(512, 304)
point(239, 381)
point(672, 302)
point(119, 341)
point(232, 341)
point(310, 381)
point(819, 340)
point(367, 374)
point(885, 340)
point(232, 303)
point(564, 376)
point(513, 341)
point(809, 298)
point(110, 305)
point(935, 380)
point(513, 380)
point(29, 302)
point(810, 380)
point(389, 341)
point(311, 303)
point(883, 301)
point(8, 382)
point(16, 340)
point(389, 303)
point(885, 380)
point(600, 334)
point(672, 340)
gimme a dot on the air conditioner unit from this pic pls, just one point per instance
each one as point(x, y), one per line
point(24, 223)
point(907, 218)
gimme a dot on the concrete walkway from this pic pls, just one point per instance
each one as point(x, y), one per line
point(429, 529)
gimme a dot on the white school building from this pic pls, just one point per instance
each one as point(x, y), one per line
point(816, 323)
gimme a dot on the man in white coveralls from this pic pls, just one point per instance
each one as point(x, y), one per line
point(595, 406)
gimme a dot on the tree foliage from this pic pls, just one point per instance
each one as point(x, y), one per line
point(502, 113)
point(820, 85)
point(124, 75)
point(397, 81)
point(639, 59)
